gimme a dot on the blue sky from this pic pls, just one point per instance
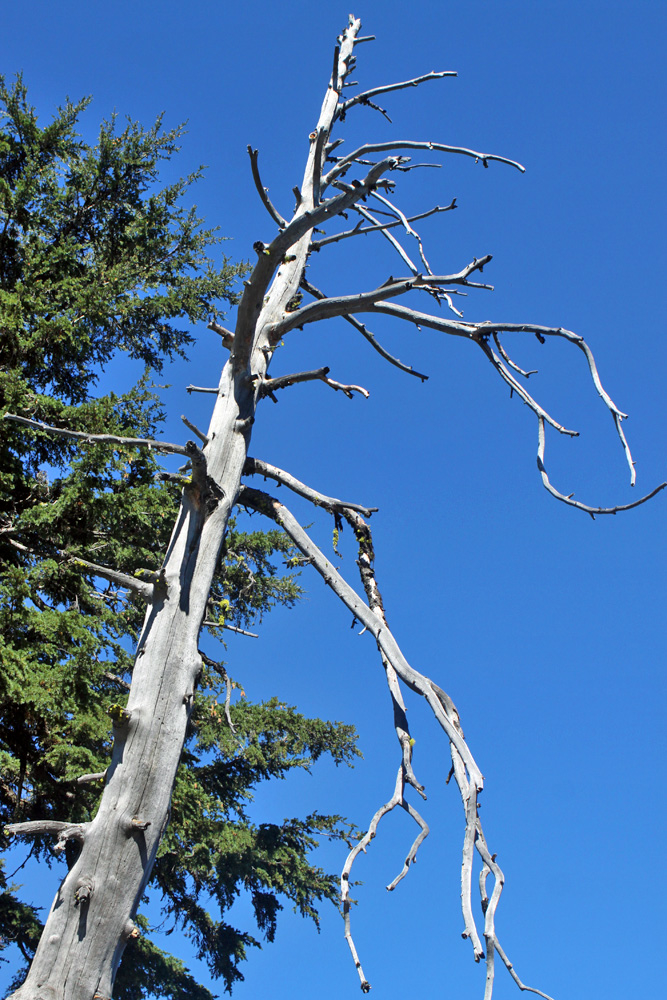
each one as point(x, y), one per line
point(547, 628)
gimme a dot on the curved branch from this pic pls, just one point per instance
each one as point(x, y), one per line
point(383, 147)
point(568, 499)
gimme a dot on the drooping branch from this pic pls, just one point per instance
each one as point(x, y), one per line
point(466, 772)
point(127, 442)
point(255, 467)
point(375, 344)
point(569, 499)
point(271, 385)
point(266, 504)
point(375, 301)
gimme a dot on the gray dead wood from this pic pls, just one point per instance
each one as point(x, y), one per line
point(91, 919)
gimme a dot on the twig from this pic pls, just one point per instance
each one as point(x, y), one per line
point(264, 192)
point(520, 391)
point(230, 628)
point(362, 231)
point(503, 354)
point(228, 687)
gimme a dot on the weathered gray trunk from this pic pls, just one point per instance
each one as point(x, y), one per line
point(91, 919)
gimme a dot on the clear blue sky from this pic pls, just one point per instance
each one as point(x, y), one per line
point(547, 628)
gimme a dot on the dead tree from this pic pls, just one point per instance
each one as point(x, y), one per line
point(91, 919)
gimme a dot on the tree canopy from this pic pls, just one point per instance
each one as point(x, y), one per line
point(96, 258)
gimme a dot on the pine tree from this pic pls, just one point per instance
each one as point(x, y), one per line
point(96, 258)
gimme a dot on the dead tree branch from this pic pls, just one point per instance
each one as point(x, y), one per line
point(262, 191)
point(372, 340)
point(384, 147)
point(466, 772)
point(226, 335)
point(360, 230)
point(568, 499)
point(346, 305)
point(271, 385)
point(376, 91)
point(255, 467)
point(125, 442)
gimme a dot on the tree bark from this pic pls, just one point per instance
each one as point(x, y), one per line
point(91, 919)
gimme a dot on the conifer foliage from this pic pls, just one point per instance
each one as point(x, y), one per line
point(96, 258)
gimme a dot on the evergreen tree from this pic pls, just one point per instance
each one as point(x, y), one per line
point(95, 259)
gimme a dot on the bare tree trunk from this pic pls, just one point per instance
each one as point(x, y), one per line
point(91, 919)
